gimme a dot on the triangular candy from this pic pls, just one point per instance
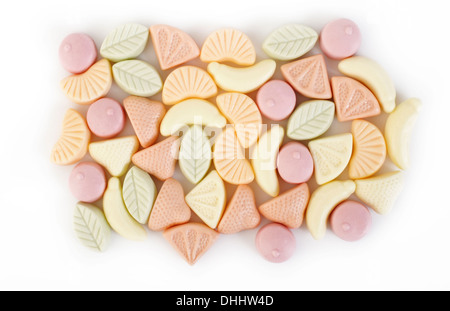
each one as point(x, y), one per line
point(241, 213)
point(288, 208)
point(380, 192)
point(145, 116)
point(169, 209)
point(173, 47)
point(208, 199)
point(353, 100)
point(191, 240)
point(160, 159)
point(331, 155)
point(369, 150)
point(114, 154)
point(309, 77)
point(187, 82)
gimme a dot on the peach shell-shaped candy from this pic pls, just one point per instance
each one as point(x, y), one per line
point(308, 76)
point(173, 47)
point(73, 143)
point(191, 240)
point(353, 100)
point(87, 87)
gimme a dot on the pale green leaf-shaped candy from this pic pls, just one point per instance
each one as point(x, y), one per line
point(137, 77)
point(125, 42)
point(195, 154)
point(311, 119)
point(290, 42)
point(139, 194)
point(91, 227)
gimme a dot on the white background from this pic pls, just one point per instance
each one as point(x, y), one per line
point(408, 249)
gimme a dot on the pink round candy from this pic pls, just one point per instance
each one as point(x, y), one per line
point(294, 163)
point(77, 52)
point(276, 100)
point(87, 181)
point(275, 242)
point(340, 39)
point(350, 220)
point(105, 118)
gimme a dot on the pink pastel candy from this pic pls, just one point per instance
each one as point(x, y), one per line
point(77, 52)
point(106, 118)
point(87, 181)
point(350, 220)
point(295, 163)
point(340, 39)
point(276, 100)
point(275, 242)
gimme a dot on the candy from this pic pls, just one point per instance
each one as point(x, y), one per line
point(73, 143)
point(187, 82)
point(310, 119)
point(114, 154)
point(106, 118)
point(195, 154)
point(331, 155)
point(145, 116)
point(191, 111)
point(241, 212)
point(398, 129)
point(294, 163)
point(290, 42)
point(380, 192)
point(125, 42)
point(85, 88)
point(340, 39)
point(353, 100)
point(91, 227)
point(117, 214)
point(373, 76)
point(159, 159)
point(208, 199)
point(170, 208)
point(139, 194)
point(276, 100)
point(369, 150)
point(350, 220)
point(87, 182)
point(229, 159)
point(173, 47)
point(77, 53)
point(191, 240)
point(228, 45)
point(275, 242)
point(287, 208)
point(243, 113)
point(264, 158)
point(308, 76)
point(243, 80)
point(323, 200)
point(137, 77)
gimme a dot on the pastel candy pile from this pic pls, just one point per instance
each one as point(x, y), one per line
point(228, 124)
